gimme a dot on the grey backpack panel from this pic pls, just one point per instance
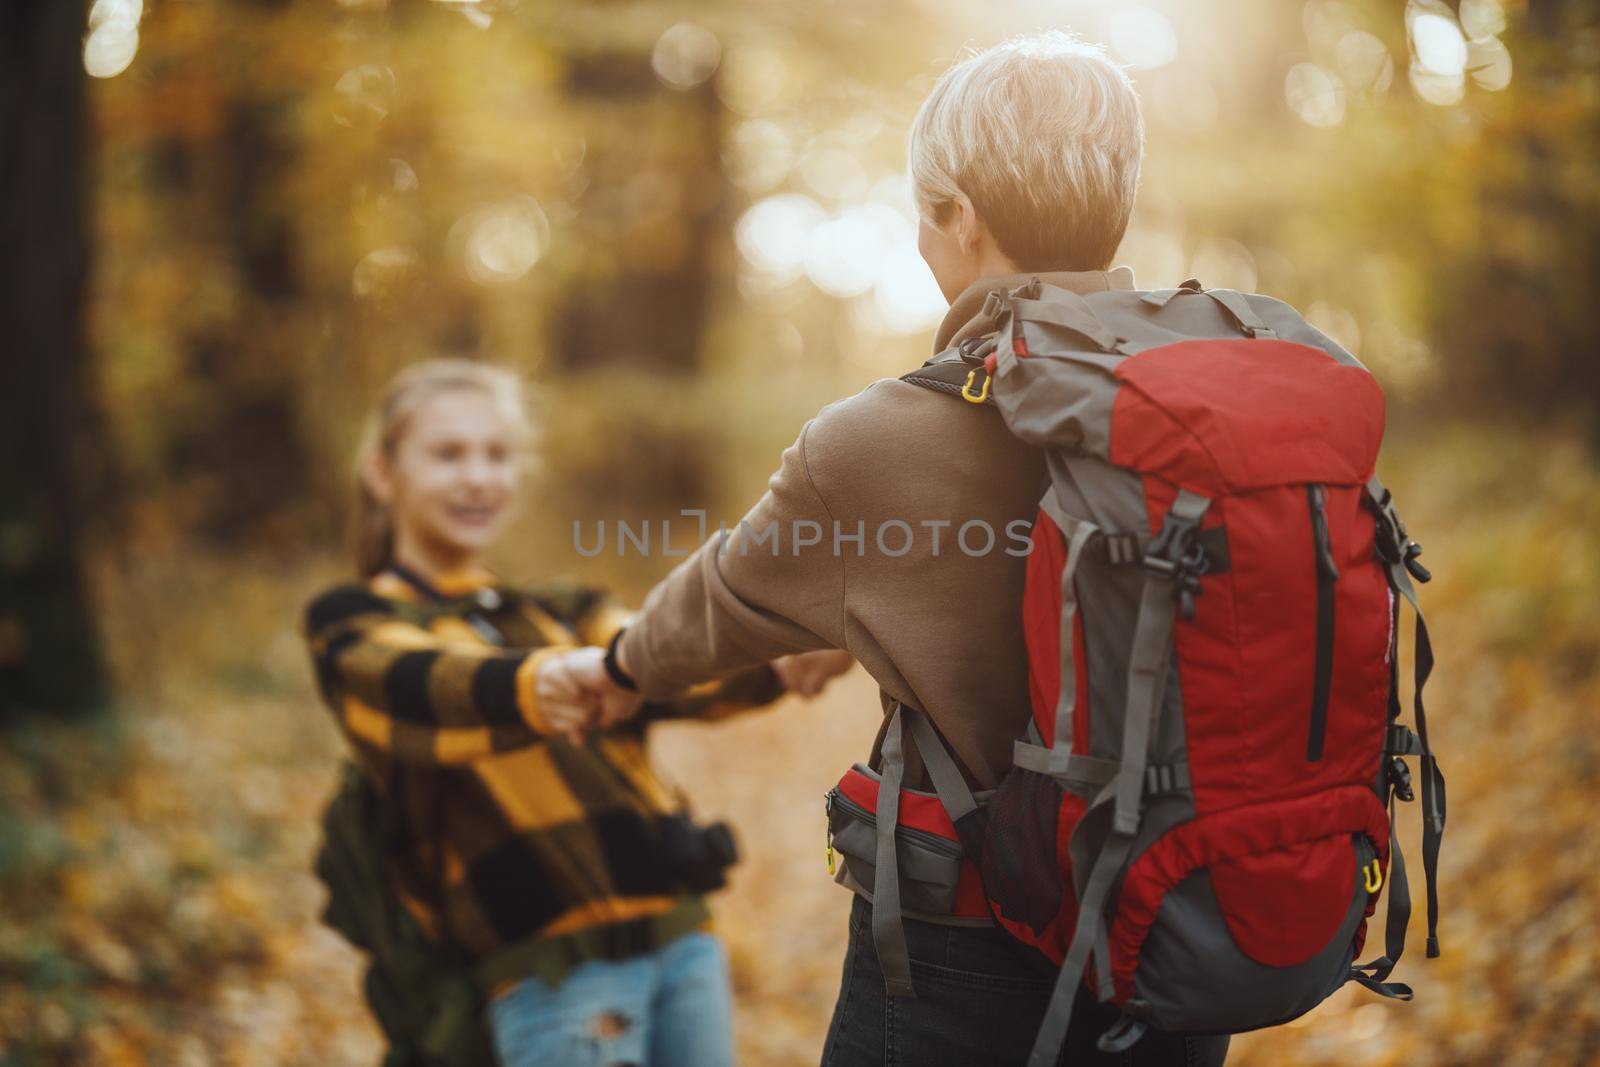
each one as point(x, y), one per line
point(1190, 928)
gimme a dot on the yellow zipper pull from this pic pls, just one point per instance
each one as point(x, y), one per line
point(828, 811)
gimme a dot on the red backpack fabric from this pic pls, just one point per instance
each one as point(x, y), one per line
point(1198, 820)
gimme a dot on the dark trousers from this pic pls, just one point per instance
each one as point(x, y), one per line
point(980, 999)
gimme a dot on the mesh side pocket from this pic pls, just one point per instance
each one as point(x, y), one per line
point(1021, 872)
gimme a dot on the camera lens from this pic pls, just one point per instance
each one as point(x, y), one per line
point(696, 856)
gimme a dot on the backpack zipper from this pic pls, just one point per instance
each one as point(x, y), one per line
point(836, 799)
point(1327, 575)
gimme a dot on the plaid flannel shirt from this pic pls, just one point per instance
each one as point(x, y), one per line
point(506, 833)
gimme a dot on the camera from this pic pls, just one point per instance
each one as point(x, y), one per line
point(697, 856)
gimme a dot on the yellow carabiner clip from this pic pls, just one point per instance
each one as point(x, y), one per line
point(1374, 877)
point(966, 390)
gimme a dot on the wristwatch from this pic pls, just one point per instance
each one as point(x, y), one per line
point(614, 670)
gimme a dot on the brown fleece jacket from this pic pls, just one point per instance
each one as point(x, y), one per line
point(935, 620)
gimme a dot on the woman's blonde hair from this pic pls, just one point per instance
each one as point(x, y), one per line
point(1043, 134)
point(372, 530)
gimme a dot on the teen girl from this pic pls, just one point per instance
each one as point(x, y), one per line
point(512, 861)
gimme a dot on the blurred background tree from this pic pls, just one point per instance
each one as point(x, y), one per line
point(667, 206)
point(49, 646)
point(228, 221)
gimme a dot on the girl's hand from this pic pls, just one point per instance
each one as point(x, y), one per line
point(807, 673)
point(565, 704)
point(577, 696)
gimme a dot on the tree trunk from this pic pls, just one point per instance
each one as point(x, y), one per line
point(653, 158)
point(247, 366)
point(1518, 317)
point(49, 654)
point(639, 304)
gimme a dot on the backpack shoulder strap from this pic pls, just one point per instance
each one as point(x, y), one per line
point(958, 371)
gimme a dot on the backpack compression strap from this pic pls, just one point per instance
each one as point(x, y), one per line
point(888, 927)
point(1059, 759)
point(1399, 554)
point(1152, 646)
point(888, 931)
point(1149, 659)
point(1231, 301)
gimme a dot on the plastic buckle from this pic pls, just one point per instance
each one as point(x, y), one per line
point(1189, 572)
point(1418, 571)
point(1399, 775)
point(1122, 1036)
point(1390, 536)
point(1393, 542)
point(974, 350)
point(1171, 545)
point(1402, 741)
point(1177, 555)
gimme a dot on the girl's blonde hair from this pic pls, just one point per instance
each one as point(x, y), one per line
point(372, 531)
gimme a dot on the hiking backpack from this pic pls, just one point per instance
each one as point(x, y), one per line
point(426, 1001)
point(1199, 818)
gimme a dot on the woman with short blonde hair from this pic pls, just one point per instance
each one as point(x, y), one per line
point(1031, 149)
point(1024, 162)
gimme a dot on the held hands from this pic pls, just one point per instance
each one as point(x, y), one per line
point(576, 696)
point(807, 673)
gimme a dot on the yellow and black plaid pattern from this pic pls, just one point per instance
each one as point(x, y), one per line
point(506, 833)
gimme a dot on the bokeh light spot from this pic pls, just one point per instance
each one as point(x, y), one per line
point(906, 298)
point(382, 273)
point(401, 177)
point(1440, 48)
point(1142, 38)
point(1364, 62)
point(1482, 18)
point(758, 155)
point(1442, 90)
point(773, 234)
point(1326, 21)
point(755, 77)
point(363, 95)
point(832, 173)
point(1490, 63)
point(113, 38)
point(501, 243)
point(686, 55)
point(844, 254)
point(1315, 94)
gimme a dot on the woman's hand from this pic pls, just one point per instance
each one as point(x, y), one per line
point(807, 673)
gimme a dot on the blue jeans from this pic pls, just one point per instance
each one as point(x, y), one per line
point(667, 1008)
point(980, 999)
